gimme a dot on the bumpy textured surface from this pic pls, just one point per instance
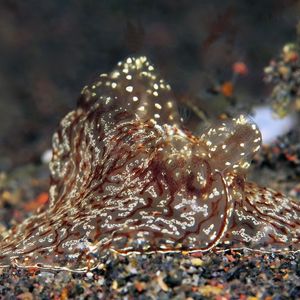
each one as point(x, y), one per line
point(126, 176)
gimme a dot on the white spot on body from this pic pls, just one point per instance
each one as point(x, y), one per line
point(129, 88)
point(158, 106)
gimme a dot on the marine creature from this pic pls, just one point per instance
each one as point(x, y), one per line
point(126, 176)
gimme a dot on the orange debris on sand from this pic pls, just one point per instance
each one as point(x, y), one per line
point(64, 294)
point(38, 202)
point(227, 89)
point(32, 271)
point(240, 68)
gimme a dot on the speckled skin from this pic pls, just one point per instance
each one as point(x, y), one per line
point(126, 176)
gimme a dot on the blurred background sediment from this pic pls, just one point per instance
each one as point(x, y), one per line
point(50, 49)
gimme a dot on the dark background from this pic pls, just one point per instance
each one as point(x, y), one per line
point(50, 49)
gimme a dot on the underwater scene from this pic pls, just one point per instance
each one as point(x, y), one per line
point(150, 150)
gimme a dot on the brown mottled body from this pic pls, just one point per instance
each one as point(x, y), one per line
point(126, 176)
